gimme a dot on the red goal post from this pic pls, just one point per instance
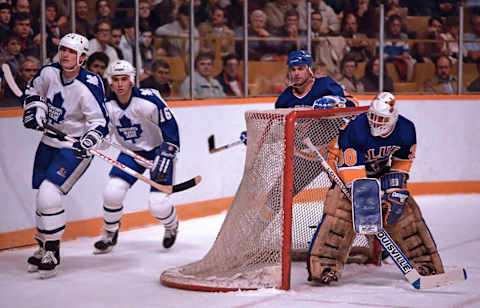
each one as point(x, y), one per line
point(276, 208)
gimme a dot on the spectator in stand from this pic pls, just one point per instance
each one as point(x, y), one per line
point(372, 76)
point(430, 51)
point(392, 7)
point(319, 69)
point(11, 52)
point(28, 69)
point(229, 78)
point(62, 10)
point(163, 12)
point(450, 47)
point(316, 20)
point(102, 30)
point(398, 52)
point(83, 25)
point(158, 79)
point(357, 43)
point(446, 8)
point(473, 48)
point(275, 10)
point(367, 17)
point(5, 19)
point(115, 38)
point(144, 15)
point(127, 41)
point(205, 86)
point(290, 30)
point(97, 63)
point(147, 48)
point(475, 85)
point(21, 7)
point(257, 48)
point(330, 21)
point(52, 29)
point(442, 82)
point(347, 77)
point(216, 29)
point(22, 27)
point(103, 11)
point(179, 27)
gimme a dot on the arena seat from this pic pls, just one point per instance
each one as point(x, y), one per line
point(417, 24)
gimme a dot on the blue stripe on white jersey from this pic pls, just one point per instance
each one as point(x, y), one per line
point(144, 122)
point(75, 106)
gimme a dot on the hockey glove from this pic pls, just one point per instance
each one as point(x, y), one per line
point(328, 102)
point(395, 195)
point(243, 137)
point(163, 162)
point(35, 112)
point(89, 140)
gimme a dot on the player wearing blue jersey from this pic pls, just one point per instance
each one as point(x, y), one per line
point(72, 100)
point(379, 144)
point(141, 121)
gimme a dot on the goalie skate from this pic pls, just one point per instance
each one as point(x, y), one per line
point(106, 243)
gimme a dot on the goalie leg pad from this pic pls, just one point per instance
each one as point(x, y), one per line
point(333, 238)
point(412, 235)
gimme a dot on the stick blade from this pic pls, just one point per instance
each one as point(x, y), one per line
point(187, 184)
point(440, 280)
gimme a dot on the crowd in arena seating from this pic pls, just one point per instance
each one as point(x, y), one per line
point(421, 47)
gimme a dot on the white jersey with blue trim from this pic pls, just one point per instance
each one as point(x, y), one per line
point(144, 122)
point(74, 106)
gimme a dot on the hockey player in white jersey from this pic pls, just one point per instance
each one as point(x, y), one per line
point(72, 100)
point(141, 122)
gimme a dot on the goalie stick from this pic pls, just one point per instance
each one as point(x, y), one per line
point(213, 149)
point(163, 188)
point(408, 270)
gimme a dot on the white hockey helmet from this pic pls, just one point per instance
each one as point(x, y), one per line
point(77, 42)
point(382, 114)
point(121, 67)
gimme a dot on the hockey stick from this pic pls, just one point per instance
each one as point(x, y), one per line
point(163, 188)
point(213, 149)
point(10, 80)
point(402, 262)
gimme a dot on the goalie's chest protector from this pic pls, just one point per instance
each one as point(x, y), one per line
point(137, 123)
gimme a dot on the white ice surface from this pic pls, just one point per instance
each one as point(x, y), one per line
point(129, 275)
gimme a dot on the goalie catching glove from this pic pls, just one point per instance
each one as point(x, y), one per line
point(329, 101)
point(394, 197)
point(35, 112)
point(163, 162)
point(90, 140)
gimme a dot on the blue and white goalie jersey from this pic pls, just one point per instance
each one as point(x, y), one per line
point(74, 106)
point(144, 122)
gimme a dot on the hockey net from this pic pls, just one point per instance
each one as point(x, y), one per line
point(276, 208)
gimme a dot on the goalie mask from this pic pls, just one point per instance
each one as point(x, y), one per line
point(382, 115)
point(121, 67)
point(76, 42)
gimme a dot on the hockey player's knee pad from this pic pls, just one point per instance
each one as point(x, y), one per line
point(115, 192)
point(160, 204)
point(49, 198)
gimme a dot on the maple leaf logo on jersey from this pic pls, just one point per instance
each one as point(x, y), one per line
point(128, 130)
point(56, 112)
point(92, 79)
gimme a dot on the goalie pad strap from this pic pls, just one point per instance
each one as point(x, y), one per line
point(333, 237)
point(412, 235)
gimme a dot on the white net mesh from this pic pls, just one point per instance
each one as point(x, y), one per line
point(261, 231)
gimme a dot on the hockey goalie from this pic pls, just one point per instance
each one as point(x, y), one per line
point(379, 144)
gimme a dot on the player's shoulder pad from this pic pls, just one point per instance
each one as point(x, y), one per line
point(407, 128)
point(93, 82)
point(150, 95)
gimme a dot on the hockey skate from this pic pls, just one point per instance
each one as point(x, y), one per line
point(50, 259)
point(328, 276)
point(106, 243)
point(170, 236)
point(34, 261)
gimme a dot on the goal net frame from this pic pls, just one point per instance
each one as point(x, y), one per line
point(174, 277)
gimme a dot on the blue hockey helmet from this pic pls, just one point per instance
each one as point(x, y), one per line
point(299, 57)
